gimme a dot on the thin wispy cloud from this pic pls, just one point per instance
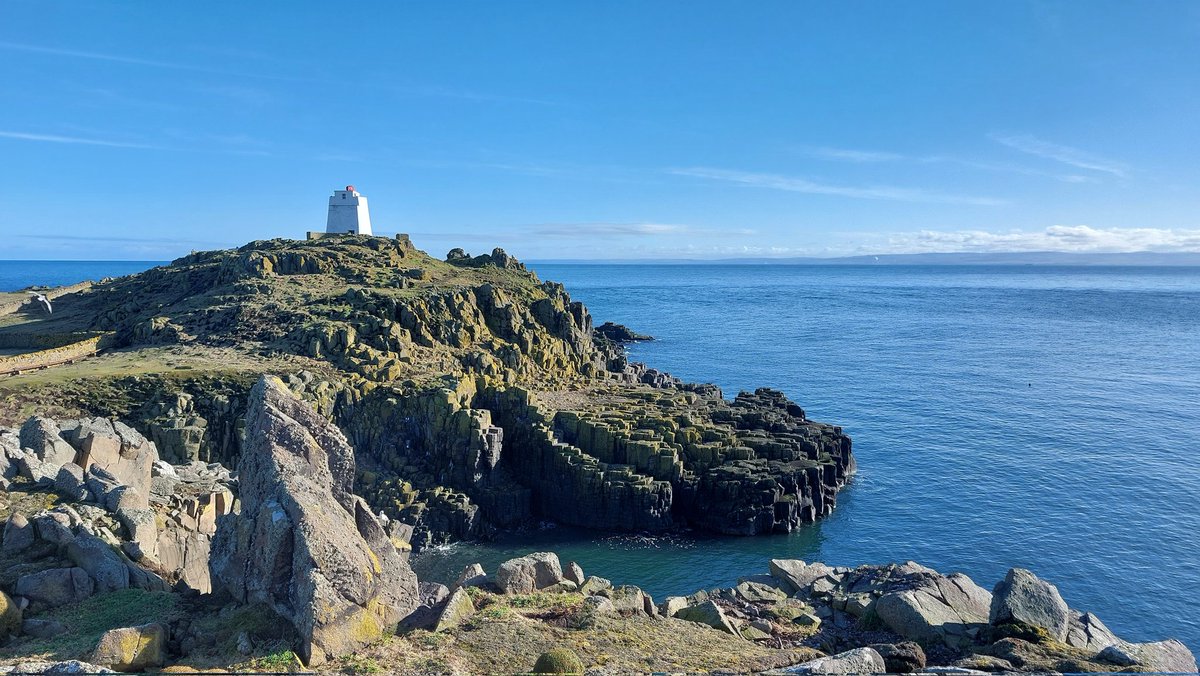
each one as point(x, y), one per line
point(75, 140)
point(116, 143)
point(93, 56)
point(1074, 157)
point(630, 229)
point(120, 239)
point(882, 156)
point(802, 185)
point(415, 90)
point(1056, 238)
point(850, 155)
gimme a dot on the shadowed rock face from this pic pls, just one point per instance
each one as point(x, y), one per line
point(304, 543)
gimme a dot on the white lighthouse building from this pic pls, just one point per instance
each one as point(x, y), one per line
point(348, 213)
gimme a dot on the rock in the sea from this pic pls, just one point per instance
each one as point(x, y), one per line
point(901, 658)
point(132, 648)
point(857, 661)
point(1021, 597)
point(303, 543)
point(529, 573)
point(946, 609)
point(619, 333)
point(1169, 656)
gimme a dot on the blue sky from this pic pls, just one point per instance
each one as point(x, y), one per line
point(602, 129)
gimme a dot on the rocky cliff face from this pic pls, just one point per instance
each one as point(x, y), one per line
point(476, 396)
point(303, 542)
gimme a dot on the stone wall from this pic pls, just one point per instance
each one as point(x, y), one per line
point(57, 349)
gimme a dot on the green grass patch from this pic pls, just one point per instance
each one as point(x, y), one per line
point(87, 620)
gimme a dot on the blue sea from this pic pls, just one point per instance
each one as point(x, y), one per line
point(1043, 417)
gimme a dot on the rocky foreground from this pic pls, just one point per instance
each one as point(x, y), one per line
point(119, 560)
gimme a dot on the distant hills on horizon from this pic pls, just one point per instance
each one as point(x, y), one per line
point(1140, 258)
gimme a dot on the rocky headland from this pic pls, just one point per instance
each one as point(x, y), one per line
point(235, 471)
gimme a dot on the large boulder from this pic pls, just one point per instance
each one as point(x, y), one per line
point(132, 648)
point(1169, 656)
point(901, 658)
point(1022, 598)
point(19, 534)
point(55, 587)
point(795, 574)
point(116, 448)
point(708, 613)
point(1087, 632)
point(942, 609)
point(102, 563)
point(857, 661)
point(529, 573)
point(456, 610)
point(10, 616)
point(304, 543)
point(41, 435)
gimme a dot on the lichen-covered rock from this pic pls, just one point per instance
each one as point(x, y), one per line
point(455, 611)
point(18, 534)
point(304, 543)
point(55, 587)
point(901, 658)
point(472, 576)
point(1022, 598)
point(628, 599)
point(857, 661)
point(529, 573)
point(10, 616)
point(41, 436)
point(708, 613)
point(574, 572)
point(102, 563)
point(594, 585)
point(1169, 656)
point(945, 609)
point(132, 648)
point(796, 574)
point(1087, 632)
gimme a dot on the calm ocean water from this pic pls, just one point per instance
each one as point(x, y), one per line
point(1002, 416)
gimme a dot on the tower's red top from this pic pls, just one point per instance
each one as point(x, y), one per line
point(349, 188)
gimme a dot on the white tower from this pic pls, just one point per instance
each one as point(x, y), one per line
point(348, 213)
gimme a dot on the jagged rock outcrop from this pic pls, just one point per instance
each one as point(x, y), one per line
point(304, 543)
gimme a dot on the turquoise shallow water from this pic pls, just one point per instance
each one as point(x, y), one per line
point(1040, 417)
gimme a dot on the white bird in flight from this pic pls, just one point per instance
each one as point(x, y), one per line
point(41, 297)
